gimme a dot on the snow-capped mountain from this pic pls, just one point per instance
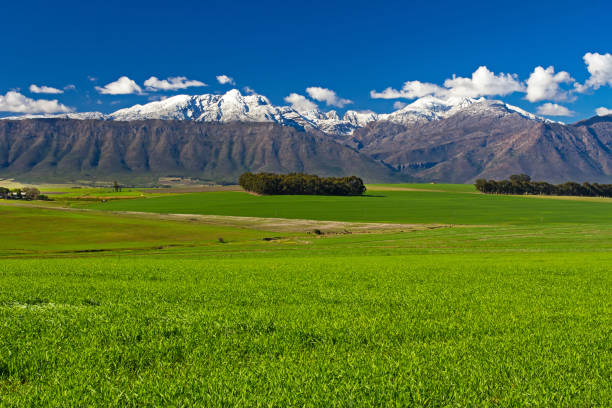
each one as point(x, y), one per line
point(235, 107)
point(230, 107)
point(429, 108)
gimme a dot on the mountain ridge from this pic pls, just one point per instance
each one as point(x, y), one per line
point(235, 107)
point(454, 140)
point(69, 150)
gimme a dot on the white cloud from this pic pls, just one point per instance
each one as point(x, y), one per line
point(92, 78)
point(410, 90)
point(16, 102)
point(603, 111)
point(44, 89)
point(398, 105)
point(171, 84)
point(553, 109)
point(600, 68)
point(224, 79)
point(328, 96)
point(482, 83)
point(543, 84)
point(300, 103)
point(70, 87)
point(388, 93)
point(122, 86)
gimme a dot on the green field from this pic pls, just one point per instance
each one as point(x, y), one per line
point(378, 206)
point(480, 301)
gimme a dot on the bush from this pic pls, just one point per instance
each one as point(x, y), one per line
point(301, 184)
point(522, 184)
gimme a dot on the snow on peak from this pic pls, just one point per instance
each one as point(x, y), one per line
point(233, 106)
point(229, 107)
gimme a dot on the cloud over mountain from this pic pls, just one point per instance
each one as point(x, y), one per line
point(171, 84)
point(300, 103)
point(543, 84)
point(603, 111)
point(224, 79)
point(16, 102)
point(410, 90)
point(483, 82)
point(600, 68)
point(553, 109)
point(328, 96)
point(122, 86)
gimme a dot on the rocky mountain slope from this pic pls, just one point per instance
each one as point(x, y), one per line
point(467, 146)
point(218, 136)
point(68, 149)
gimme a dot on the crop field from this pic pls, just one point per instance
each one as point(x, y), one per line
point(459, 299)
point(448, 207)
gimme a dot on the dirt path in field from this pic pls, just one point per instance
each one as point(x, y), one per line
point(293, 225)
point(256, 223)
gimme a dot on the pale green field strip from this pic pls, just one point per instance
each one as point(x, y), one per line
point(55, 231)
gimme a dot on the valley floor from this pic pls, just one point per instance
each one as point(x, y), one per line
point(404, 298)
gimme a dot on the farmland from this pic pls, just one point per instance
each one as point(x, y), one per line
point(379, 205)
point(471, 300)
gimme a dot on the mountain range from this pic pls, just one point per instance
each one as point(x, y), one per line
point(235, 107)
point(216, 137)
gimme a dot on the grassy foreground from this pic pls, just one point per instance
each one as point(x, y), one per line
point(110, 309)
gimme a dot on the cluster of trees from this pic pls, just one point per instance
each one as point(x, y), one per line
point(26, 193)
point(298, 183)
point(116, 187)
point(522, 184)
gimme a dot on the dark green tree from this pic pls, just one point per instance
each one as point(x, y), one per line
point(302, 184)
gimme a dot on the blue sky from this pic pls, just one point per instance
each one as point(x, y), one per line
point(278, 48)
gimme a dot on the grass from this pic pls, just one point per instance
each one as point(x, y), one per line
point(379, 206)
point(428, 330)
point(454, 188)
point(511, 308)
point(36, 231)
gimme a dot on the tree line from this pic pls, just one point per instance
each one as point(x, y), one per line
point(301, 184)
point(522, 184)
point(26, 193)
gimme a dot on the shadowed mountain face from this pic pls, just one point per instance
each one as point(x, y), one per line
point(465, 147)
point(63, 149)
point(460, 148)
